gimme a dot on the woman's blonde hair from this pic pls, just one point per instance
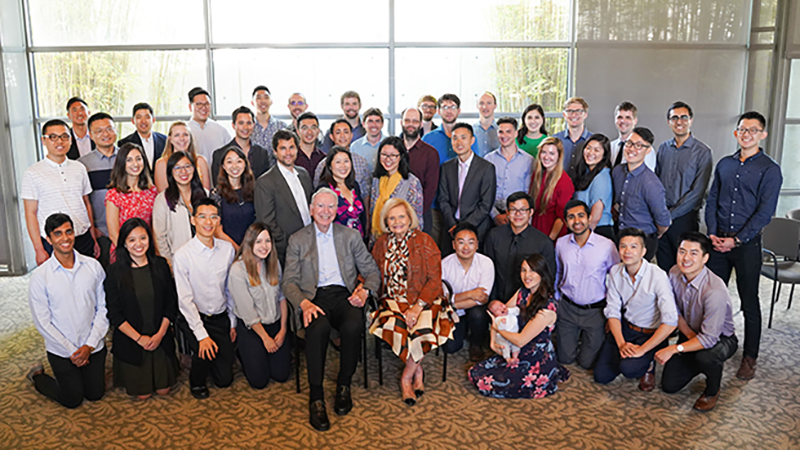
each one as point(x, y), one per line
point(169, 149)
point(540, 204)
point(389, 205)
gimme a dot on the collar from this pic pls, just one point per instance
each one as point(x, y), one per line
point(143, 139)
point(589, 241)
point(102, 156)
point(699, 280)
point(200, 247)
point(287, 172)
point(689, 142)
point(738, 154)
point(54, 164)
point(55, 265)
point(467, 163)
point(328, 234)
point(637, 171)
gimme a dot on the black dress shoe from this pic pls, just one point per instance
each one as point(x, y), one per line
point(343, 403)
point(200, 392)
point(318, 417)
point(411, 401)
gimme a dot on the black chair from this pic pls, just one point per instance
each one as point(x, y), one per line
point(794, 214)
point(380, 344)
point(296, 324)
point(781, 247)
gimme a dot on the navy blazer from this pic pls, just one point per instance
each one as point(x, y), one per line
point(74, 153)
point(123, 306)
point(159, 142)
point(477, 199)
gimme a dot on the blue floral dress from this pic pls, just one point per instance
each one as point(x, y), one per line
point(537, 373)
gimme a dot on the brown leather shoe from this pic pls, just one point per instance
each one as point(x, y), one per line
point(648, 382)
point(748, 368)
point(705, 403)
point(475, 353)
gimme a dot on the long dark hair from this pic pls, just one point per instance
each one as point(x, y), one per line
point(539, 298)
point(124, 260)
point(172, 194)
point(224, 188)
point(584, 176)
point(398, 144)
point(251, 262)
point(326, 178)
point(119, 176)
point(523, 129)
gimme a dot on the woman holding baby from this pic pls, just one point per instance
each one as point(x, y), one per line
point(531, 369)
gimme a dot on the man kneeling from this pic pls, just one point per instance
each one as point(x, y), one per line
point(705, 322)
point(641, 314)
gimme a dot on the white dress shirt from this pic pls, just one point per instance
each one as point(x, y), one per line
point(84, 144)
point(58, 188)
point(648, 301)
point(293, 180)
point(69, 305)
point(329, 272)
point(209, 137)
point(463, 170)
point(148, 145)
point(480, 274)
point(201, 277)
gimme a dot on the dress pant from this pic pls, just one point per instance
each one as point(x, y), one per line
point(579, 333)
point(683, 367)
point(84, 244)
point(747, 261)
point(439, 235)
point(607, 231)
point(339, 315)
point(668, 243)
point(258, 364)
point(72, 383)
point(220, 368)
point(610, 364)
point(476, 323)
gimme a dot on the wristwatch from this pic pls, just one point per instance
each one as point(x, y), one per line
point(680, 348)
point(737, 242)
point(421, 303)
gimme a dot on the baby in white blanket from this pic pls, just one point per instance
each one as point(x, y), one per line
point(505, 319)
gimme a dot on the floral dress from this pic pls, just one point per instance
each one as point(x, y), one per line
point(133, 204)
point(537, 373)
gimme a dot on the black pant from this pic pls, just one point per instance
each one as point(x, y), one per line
point(683, 367)
point(610, 364)
point(606, 231)
point(670, 241)
point(258, 364)
point(218, 328)
point(72, 383)
point(476, 323)
point(345, 318)
point(84, 244)
point(747, 262)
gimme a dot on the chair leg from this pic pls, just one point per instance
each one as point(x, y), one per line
point(444, 367)
point(297, 363)
point(772, 301)
point(364, 354)
point(791, 294)
point(379, 354)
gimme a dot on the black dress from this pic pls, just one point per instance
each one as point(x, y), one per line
point(158, 370)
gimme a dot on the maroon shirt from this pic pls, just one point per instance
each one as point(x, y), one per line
point(310, 164)
point(423, 161)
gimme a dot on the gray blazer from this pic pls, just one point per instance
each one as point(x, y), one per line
point(302, 263)
point(276, 208)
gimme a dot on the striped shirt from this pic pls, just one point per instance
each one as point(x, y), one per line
point(59, 188)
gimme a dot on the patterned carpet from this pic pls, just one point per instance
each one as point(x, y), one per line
point(764, 413)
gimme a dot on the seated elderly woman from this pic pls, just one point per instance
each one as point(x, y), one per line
point(413, 316)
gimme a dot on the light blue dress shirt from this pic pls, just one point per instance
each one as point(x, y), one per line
point(512, 176)
point(69, 305)
point(486, 140)
point(329, 273)
point(370, 152)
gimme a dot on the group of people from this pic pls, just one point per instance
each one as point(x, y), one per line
point(538, 247)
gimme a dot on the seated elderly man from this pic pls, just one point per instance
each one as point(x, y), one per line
point(323, 261)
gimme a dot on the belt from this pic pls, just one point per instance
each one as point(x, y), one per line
point(595, 305)
point(640, 329)
point(213, 316)
point(726, 234)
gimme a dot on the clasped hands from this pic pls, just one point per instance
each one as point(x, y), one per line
point(311, 311)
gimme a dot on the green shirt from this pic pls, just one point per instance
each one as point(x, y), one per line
point(531, 146)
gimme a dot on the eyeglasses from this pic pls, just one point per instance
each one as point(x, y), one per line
point(297, 103)
point(55, 137)
point(202, 104)
point(449, 107)
point(105, 130)
point(186, 168)
point(571, 112)
point(636, 145)
point(683, 118)
point(518, 211)
point(752, 131)
point(390, 157)
point(211, 216)
point(427, 106)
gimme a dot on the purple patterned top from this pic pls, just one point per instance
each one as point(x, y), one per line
point(350, 215)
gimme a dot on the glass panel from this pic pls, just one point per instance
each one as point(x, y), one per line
point(766, 16)
point(663, 20)
point(257, 21)
point(12, 34)
point(787, 203)
point(793, 108)
point(322, 75)
point(115, 81)
point(516, 76)
point(764, 37)
point(101, 22)
point(761, 65)
point(791, 157)
point(481, 20)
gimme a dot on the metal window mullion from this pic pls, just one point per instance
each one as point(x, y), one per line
point(392, 85)
point(780, 83)
point(572, 56)
point(209, 58)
